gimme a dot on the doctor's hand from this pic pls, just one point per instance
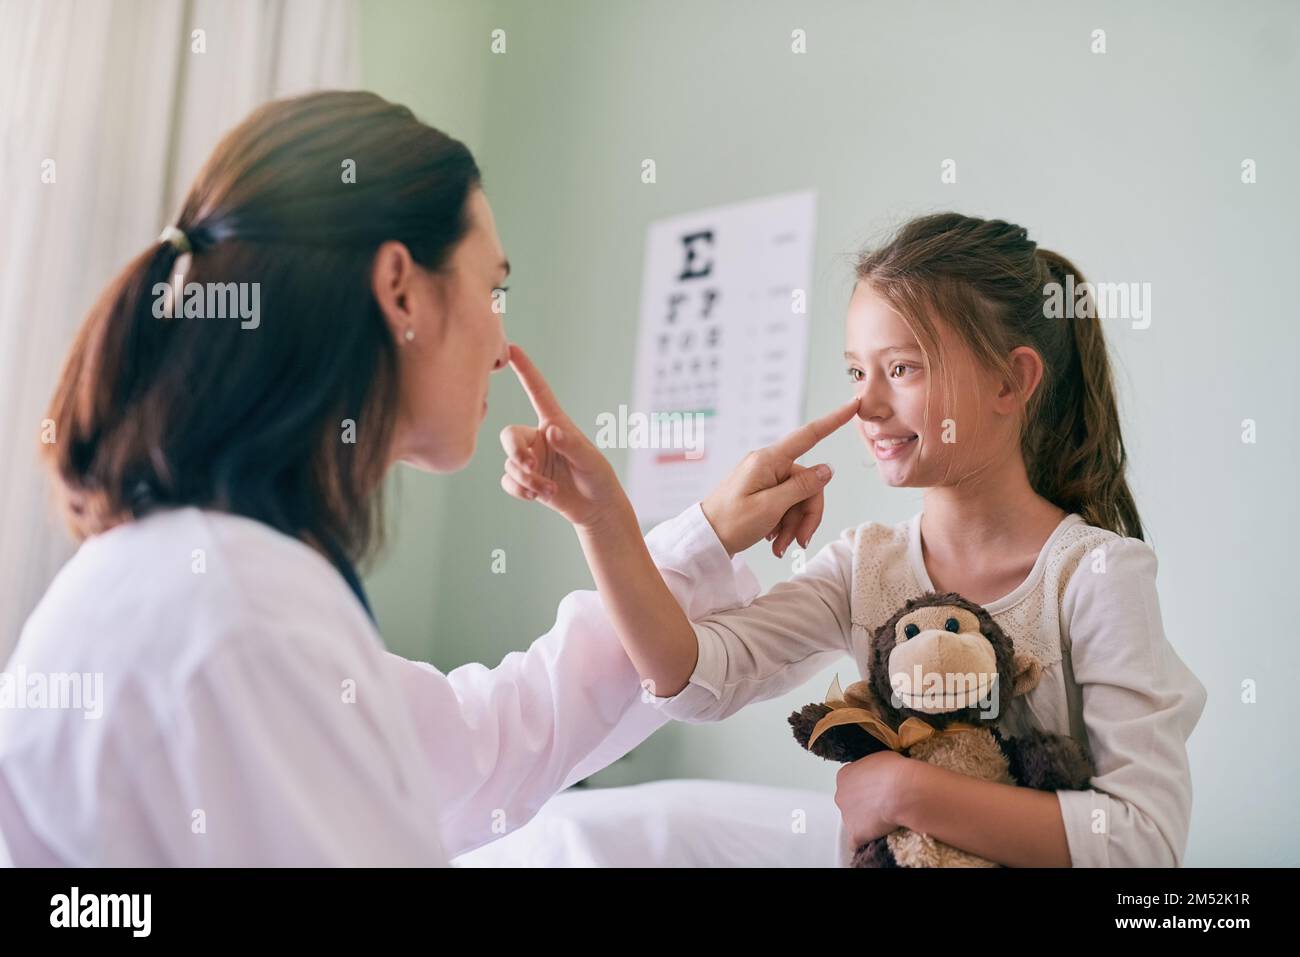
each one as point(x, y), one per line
point(554, 462)
point(769, 495)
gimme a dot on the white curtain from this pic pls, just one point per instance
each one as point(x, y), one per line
point(107, 110)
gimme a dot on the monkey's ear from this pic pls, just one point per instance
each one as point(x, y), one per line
point(1028, 673)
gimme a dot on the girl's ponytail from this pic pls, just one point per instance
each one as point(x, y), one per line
point(1074, 447)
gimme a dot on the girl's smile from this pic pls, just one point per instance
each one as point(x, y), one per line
point(891, 447)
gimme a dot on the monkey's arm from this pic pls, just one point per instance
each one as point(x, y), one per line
point(844, 743)
point(1047, 762)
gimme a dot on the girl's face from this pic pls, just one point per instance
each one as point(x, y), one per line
point(456, 340)
point(888, 375)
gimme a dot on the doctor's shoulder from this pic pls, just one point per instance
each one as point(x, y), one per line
point(187, 577)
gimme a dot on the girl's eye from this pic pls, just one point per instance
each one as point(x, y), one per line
point(500, 289)
point(896, 366)
point(855, 374)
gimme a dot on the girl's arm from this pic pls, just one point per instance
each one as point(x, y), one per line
point(653, 628)
point(1140, 703)
point(556, 463)
point(1014, 826)
point(739, 655)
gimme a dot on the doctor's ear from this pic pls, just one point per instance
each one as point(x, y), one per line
point(405, 291)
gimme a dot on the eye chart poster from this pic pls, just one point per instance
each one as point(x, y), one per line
point(721, 347)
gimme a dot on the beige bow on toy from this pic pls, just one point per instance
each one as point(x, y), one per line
point(855, 706)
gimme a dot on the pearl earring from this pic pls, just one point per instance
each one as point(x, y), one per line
point(410, 334)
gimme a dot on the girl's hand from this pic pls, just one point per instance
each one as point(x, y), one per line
point(554, 462)
point(868, 793)
point(770, 496)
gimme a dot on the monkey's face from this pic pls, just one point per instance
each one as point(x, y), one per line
point(941, 662)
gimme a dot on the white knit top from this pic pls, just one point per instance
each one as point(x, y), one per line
point(1088, 611)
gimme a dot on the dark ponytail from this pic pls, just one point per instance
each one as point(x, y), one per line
point(103, 379)
point(1074, 449)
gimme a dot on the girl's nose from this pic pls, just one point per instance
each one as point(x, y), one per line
point(871, 400)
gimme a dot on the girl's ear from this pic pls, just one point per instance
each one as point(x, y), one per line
point(1027, 372)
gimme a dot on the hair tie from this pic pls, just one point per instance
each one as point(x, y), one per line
point(176, 237)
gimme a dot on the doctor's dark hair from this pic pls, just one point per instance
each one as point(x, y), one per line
point(987, 280)
point(289, 421)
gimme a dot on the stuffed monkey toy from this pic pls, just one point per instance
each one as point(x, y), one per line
point(938, 669)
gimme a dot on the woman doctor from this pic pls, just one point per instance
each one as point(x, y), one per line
point(224, 472)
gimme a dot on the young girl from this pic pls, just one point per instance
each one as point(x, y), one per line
point(1008, 420)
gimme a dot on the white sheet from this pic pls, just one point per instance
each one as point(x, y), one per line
point(681, 823)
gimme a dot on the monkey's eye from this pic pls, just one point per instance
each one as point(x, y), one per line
point(951, 625)
point(911, 630)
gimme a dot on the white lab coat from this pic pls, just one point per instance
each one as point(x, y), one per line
point(251, 716)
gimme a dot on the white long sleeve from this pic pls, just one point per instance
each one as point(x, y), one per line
point(776, 643)
point(244, 717)
point(504, 740)
point(1140, 703)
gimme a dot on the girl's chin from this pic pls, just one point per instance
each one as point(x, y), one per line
point(897, 474)
point(894, 471)
point(894, 481)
